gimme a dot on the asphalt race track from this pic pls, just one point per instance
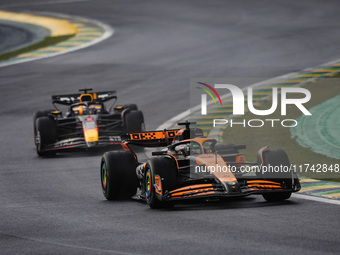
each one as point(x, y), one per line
point(55, 205)
point(17, 37)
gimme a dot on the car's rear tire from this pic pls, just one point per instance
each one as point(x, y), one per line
point(45, 134)
point(118, 175)
point(277, 157)
point(134, 122)
point(167, 171)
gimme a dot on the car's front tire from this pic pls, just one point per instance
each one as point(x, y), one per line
point(39, 114)
point(277, 197)
point(45, 134)
point(277, 158)
point(167, 172)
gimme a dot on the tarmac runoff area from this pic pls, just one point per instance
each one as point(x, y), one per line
point(324, 137)
point(83, 32)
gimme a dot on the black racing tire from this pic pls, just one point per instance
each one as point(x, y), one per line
point(165, 168)
point(118, 175)
point(277, 157)
point(45, 134)
point(37, 115)
point(132, 107)
point(133, 122)
point(277, 197)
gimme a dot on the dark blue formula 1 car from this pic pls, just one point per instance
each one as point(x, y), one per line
point(86, 123)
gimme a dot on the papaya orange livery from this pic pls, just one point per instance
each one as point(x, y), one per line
point(153, 135)
point(185, 165)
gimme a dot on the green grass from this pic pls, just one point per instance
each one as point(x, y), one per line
point(280, 137)
point(48, 41)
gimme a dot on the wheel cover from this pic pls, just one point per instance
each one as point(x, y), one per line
point(38, 141)
point(148, 184)
point(104, 180)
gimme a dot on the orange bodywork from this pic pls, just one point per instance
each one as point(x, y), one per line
point(158, 185)
point(125, 147)
point(153, 135)
point(88, 96)
point(174, 159)
point(216, 162)
point(263, 181)
point(264, 188)
point(91, 135)
point(192, 187)
point(79, 108)
point(263, 149)
point(193, 190)
point(263, 185)
point(216, 166)
point(240, 159)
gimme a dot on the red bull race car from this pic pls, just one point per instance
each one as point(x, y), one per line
point(86, 122)
point(193, 167)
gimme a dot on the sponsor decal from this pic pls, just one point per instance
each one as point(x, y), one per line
point(152, 135)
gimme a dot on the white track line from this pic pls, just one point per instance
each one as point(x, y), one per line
point(317, 199)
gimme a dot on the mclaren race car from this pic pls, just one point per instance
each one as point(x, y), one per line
point(192, 166)
point(86, 122)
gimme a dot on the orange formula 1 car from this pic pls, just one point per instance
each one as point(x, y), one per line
point(192, 166)
point(86, 123)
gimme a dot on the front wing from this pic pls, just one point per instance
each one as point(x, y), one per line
point(212, 190)
point(80, 143)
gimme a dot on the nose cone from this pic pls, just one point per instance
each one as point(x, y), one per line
point(232, 187)
point(91, 137)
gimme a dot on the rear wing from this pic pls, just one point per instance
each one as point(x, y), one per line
point(69, 99)
point(152, 138)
